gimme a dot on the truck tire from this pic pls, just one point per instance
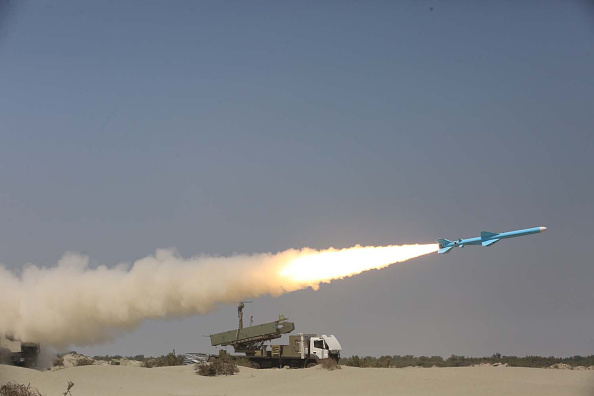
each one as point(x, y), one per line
point(311, 363)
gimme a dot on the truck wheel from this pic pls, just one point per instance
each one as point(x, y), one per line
point(255, 365)
point(311, 364)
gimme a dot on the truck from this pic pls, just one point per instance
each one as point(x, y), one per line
point(18, 353)
point(303, 350)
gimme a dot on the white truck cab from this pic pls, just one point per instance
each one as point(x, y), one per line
point(322, 347)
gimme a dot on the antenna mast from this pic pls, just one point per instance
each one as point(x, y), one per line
point(240, 313)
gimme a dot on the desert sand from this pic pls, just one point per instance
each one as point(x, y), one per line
point(181, 380)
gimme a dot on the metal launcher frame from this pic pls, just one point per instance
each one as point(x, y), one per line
point(250, 340)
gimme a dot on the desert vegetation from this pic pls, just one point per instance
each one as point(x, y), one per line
point(83, 361)
point(58, 362)
point(109, 358)
point(12, 389)
point(171, 359)
point(224, 365)
point(464, 361)
point(330, 364)
point(395, 361)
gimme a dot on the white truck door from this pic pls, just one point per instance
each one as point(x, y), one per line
point(318, 348)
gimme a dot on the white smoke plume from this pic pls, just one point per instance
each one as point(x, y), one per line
point(72, 304)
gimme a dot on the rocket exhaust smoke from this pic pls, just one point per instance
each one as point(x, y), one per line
point(72, 304)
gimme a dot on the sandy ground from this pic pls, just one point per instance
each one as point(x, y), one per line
point(121, 380)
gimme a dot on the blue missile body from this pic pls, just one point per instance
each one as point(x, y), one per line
point(486, 239)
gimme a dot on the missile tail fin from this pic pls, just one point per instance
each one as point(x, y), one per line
point(488, 235)
point(445, 250)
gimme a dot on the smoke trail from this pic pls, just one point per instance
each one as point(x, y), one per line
point(72, 304)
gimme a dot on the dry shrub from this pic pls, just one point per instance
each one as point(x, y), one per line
point(170, 359)
point(330, 364)
point(69, 386)
point(59, 362)
point(12, 389)
point(205, 369)
point(224, 365)
point(83, 361)
point(149, 363)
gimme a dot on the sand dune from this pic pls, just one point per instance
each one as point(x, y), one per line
point(120, 380)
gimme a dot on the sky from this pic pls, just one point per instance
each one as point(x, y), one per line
point(243, 127)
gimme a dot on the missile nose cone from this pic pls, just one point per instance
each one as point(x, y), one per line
point(543, 229)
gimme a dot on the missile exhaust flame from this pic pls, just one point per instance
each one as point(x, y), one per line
point(331, 264)
point(72, 304)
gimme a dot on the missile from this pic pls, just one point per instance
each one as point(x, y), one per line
point(486, 239)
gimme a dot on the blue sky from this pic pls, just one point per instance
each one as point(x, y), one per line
point(223, 127)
